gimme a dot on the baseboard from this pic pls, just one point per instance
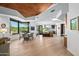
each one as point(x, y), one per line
point(71, 52)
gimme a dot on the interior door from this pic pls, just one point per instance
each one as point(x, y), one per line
point(62, 29)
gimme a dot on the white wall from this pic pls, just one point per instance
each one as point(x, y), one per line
point(72, 35)
point(6, 20)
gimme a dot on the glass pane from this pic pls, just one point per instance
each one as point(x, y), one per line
point(14, 27)
point(23, 27)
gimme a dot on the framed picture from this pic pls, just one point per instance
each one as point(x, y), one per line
point(3, 25)
point(53, 26)
point(74, 23)
point(32, 28)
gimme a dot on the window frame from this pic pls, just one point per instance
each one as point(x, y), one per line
point(24, 22)
point(11, 19)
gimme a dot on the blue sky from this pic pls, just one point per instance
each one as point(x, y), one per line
point(15, 24)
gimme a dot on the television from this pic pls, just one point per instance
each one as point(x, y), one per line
point(32, 28)
point(53, 26)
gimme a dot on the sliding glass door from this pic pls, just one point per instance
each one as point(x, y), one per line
point(18, 27)
point(13, 27)
point(23, 27)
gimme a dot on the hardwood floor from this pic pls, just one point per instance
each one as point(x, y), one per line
point(48, 46)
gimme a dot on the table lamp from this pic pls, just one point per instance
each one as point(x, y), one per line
point(3, 31)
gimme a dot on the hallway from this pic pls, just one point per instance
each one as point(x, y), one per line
point(48, 46)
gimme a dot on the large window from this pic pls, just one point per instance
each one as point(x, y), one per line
point(14, 27)
point(18, 27)
point(24, 27)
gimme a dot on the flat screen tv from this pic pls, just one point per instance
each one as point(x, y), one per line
point(53, 26)
point(32, 28)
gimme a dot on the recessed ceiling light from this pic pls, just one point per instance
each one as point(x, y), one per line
point(54, 19)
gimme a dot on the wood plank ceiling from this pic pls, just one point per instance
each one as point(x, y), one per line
point(27, 9)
